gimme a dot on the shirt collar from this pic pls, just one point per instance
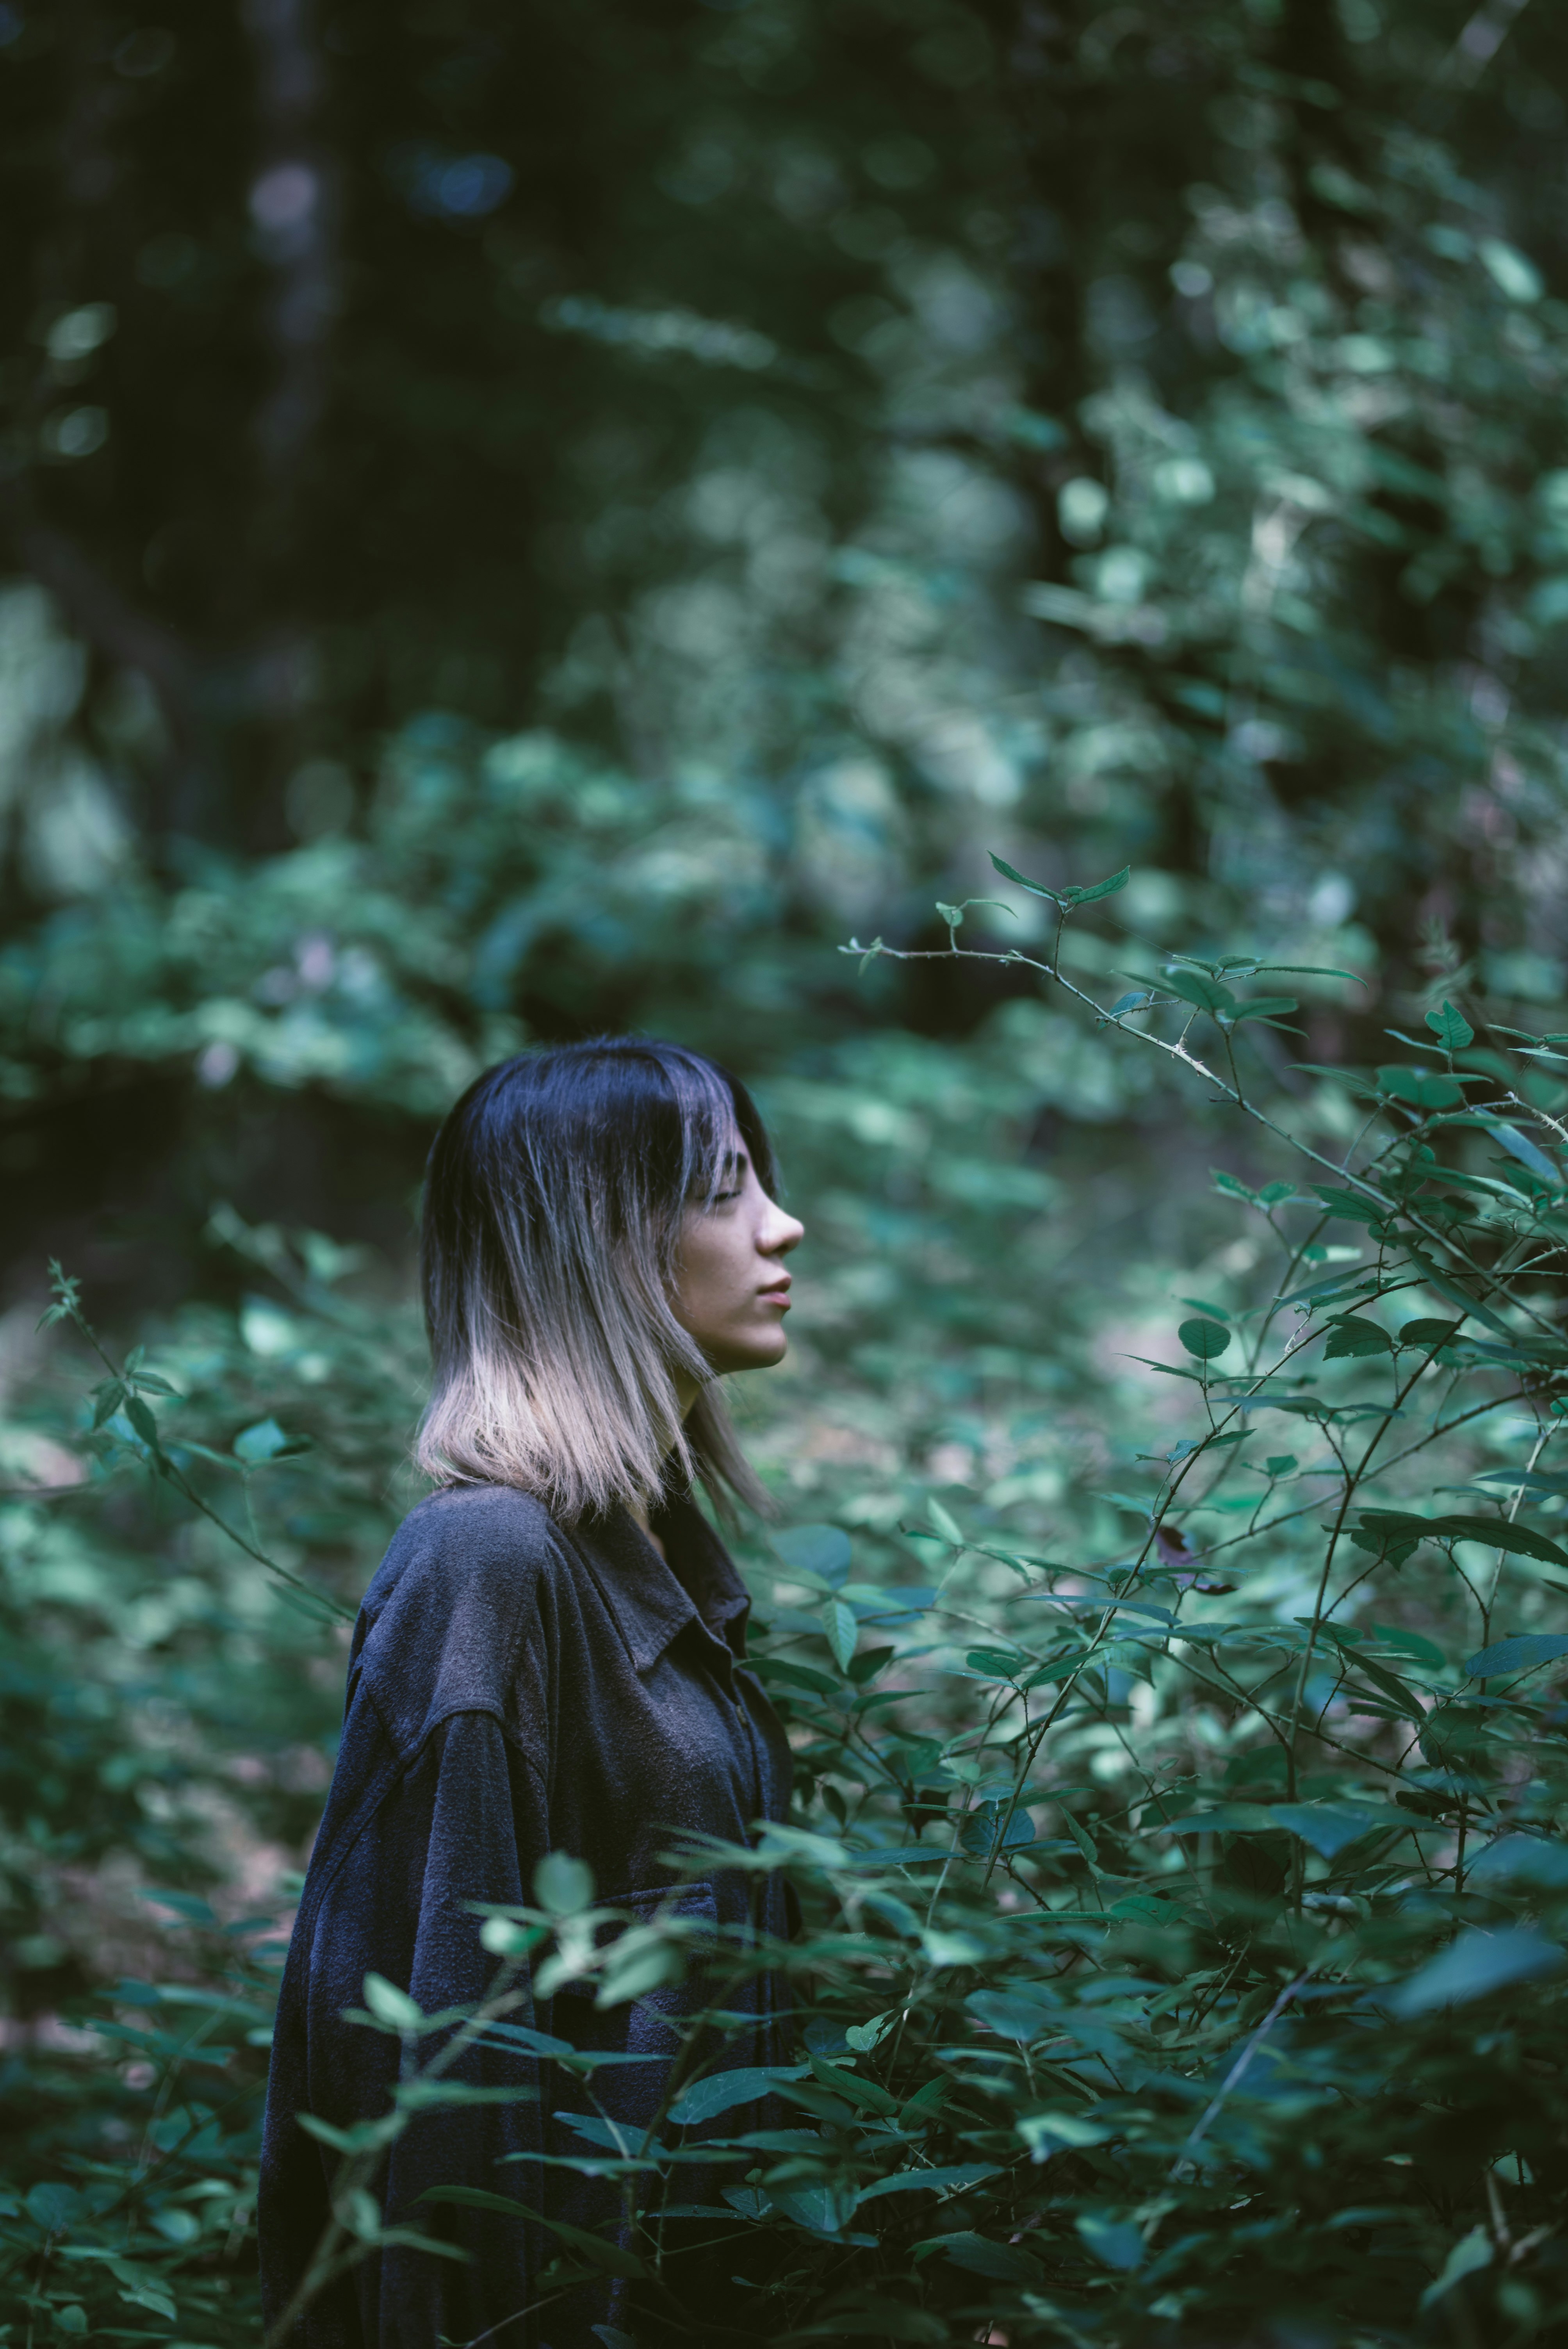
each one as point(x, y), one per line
point(652, 1599)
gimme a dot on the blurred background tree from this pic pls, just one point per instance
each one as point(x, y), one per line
point(1128, 431)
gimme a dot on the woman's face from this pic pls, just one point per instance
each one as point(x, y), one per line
point(732, 1291)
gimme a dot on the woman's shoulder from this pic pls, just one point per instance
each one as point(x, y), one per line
point(458, 1592)
point(464, 1537)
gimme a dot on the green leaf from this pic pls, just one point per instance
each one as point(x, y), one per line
point(504, 1937)
point(1513, 273)
point(979, 2255)
point(770, 1669)
point(603, 2251)
point(1224, 1819)
point(823, 1550)
point(1518, 1655)
point(944, 1949)
point(391, 2005)
point(1411, 1644)
point(982, 1828)
point(143, 1421)
point(1471, 2253)
point(998, 1663)
point(1115, 2243)
point(935, 2181)
point(1429, 1334)
point(1352, 1207)
point(640, 1961)
point(1519, 1145)
point(1470, 1967)
point(823, 2209)
point(954, 915)
point(1451, 1029)
point(1048, 2133)
point(1421, 1088)
point(1100, 889)
point(1205, 1339)
point(946, 1525)
point(361, 2138)
point(107, 1401)
point(1065, 898)
point(1196, 986)
point(1009, 873)
point(562, 1885)
point(1351, 1333)
point(1017, 2014)
point(1521, 1859)
point(1392, 1687)
point(149, 2295)
point(1327, 1827)
point(264, 1440)
point(1266, 1007)
point(1516, 1541)
point(1440, 1281)
point(839, 1629)
point(361, 2215)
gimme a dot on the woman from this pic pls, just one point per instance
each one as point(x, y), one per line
point(548, 1660)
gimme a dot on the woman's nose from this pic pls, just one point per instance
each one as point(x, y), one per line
point(782, 1234)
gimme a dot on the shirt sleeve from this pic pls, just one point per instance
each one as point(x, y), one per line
point(464, 1823)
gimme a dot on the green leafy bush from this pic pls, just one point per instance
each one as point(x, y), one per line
point(1183, 1891)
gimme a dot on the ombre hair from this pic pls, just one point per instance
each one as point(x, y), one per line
point(554, 1198)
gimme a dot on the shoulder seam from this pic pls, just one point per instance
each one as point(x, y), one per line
point(408, 1754)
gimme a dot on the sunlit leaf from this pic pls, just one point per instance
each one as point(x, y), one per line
point(391, 2005)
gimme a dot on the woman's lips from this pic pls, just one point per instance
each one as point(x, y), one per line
point(778, 1295)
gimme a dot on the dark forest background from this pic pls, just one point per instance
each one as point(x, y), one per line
point(516, 522)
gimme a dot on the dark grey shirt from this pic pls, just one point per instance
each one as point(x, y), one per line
point(514, 1688)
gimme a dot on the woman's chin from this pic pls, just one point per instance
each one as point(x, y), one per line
point(760, 1351)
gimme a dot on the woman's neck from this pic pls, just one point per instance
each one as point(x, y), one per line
point(686, 1393)
point(638, 1513)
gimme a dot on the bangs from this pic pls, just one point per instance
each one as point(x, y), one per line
point(720, 1126)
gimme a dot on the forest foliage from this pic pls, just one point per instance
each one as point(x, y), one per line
point(523, 525)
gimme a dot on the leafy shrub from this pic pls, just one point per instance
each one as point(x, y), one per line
point(1183, 1896)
